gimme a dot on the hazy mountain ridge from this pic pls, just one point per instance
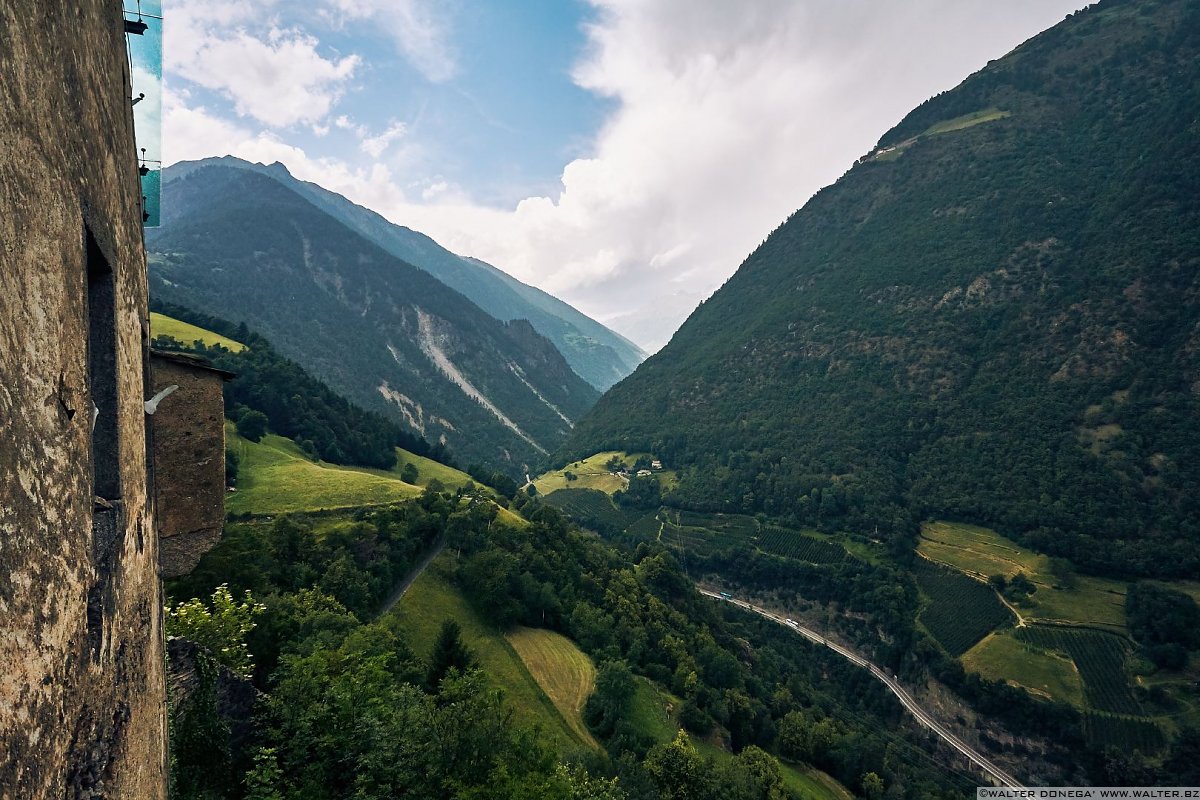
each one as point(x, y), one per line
point(599, 355)
point(994, 317)
point(389, 336)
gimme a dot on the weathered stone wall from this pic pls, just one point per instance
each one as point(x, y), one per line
point(189, 461)
point(81, 654)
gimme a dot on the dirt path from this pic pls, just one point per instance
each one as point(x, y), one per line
point(412, 576)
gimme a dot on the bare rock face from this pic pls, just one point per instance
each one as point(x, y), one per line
point(82, 696)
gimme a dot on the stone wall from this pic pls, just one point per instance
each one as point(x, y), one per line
point(82, 711)
point(189, 460)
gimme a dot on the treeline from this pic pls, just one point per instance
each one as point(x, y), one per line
point(295, 404)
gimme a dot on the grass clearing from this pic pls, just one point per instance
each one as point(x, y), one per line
point(565, 673)
point(186, 333)
point(806, 781)
point(276, 477)
point(982, 552)
point(433, 599)
point(967, 121)
point(590, 473)
point(1045, 673)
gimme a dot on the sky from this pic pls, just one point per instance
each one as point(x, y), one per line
point(624, 155)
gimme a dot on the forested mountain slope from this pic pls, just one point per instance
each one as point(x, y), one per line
point(599, 355)
point(993, 317)
point(389, 336)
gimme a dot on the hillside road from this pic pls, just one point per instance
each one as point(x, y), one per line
point(906, 700)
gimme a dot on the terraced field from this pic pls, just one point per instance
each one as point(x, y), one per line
point(592, 508)
point(960, 610)
point(1100, 658)
point(1003, 657)
point(982, 552)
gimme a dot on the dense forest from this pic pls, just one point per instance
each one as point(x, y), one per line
point(994, 317)
point(350, 710)
point(293, 403)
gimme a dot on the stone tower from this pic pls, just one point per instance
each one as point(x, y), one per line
point(81, 646)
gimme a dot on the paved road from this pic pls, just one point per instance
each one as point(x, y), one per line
point(902, 695)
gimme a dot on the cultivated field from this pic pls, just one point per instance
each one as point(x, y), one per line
point(1003, 657)
point(185, 333)
point(966, 121)
point(562, 670)
point(591, 508)
point(982, 552)
point(431, 600)
point(1100, 658)
point(961, 610)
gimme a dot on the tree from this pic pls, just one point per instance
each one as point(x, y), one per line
point(231, 467)
point(872, 786)
point(609, 702)
point(264, 780)
point(409, 474)
point(449, 652)
point(678, 770)
point(252, 425)
point(222, 629)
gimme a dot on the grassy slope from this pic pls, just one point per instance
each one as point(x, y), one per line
point(431, 600)
point(428, 470)
point(162, 325)
point(1002, 657)
point(591, 474)
point(562, 670)
point(275, 477)
point(966, 121)
point(982, 552)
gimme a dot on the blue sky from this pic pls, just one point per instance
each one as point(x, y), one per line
point(624, 155)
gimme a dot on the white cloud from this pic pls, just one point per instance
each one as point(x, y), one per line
point(729, 116)
point(192, 133)
point(279, 78)
point(418, 28)
point(375, 145)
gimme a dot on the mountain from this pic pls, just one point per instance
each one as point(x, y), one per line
point(388, 336)
point(992, 317)
point(599, 355)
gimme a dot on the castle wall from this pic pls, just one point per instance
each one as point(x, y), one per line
point(189, 460)
point(81, 653)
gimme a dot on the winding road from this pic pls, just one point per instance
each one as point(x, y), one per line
point(902, 695)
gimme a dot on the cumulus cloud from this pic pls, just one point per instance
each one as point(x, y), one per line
point(278, 78)
point(728, 117)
